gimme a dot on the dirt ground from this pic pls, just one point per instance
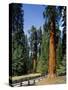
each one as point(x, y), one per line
point(57, 80)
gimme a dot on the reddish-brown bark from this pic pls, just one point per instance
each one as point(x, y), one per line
point(52, 53)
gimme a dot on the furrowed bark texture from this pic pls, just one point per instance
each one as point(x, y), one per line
point(52, 53)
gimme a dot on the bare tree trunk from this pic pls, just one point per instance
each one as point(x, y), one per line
point(52, 53)
point(34, 65)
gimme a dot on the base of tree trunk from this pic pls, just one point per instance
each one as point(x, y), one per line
point(51, 76)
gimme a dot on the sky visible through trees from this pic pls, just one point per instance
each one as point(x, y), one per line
point(33, 15)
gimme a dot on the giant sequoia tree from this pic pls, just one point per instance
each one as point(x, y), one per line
point(52, 14)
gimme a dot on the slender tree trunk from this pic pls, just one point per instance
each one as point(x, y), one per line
point(52, 52)
point(34, 62)
point(34, 65)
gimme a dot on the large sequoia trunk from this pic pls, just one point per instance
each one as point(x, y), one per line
point(52, 52)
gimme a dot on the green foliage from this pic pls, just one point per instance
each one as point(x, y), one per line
point(64, 32)
point(61, 60)
point(61, 70)
point(42, 66)
point(33, 47)
point(20, 51)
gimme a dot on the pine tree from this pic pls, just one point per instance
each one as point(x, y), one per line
point(39, 40)
point(18, 40)
point(33, 40)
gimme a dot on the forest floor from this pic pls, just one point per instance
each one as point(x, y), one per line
point(57, 80)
